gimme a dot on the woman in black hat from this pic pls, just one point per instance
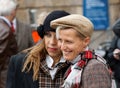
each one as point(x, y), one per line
point(42, 66)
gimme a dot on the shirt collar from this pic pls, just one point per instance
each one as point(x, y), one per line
point(50, 61)
point(6, 20)
point(15, 23)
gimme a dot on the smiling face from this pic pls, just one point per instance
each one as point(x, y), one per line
point(71, 44)
point(51, 44)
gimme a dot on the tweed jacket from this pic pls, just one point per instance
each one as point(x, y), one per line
point(94, 75)
point(23, 35)
point(18, 79)
point(8, 45)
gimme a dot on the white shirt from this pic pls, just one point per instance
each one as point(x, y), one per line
point(50, 62)
point(15, 23)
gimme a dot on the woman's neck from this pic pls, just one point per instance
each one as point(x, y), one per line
point(56, 60)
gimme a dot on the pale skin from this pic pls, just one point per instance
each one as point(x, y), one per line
point(116, 54)
point(51, 46)
point(71, 44)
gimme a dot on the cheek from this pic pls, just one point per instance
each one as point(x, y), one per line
point(79, 47)
point(59, 44)
point(46, 43)
point(77, 50)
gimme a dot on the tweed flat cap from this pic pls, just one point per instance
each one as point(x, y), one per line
point(76, 21)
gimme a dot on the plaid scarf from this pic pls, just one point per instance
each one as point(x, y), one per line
point(73, 78)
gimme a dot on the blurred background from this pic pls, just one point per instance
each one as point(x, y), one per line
point(103, 13)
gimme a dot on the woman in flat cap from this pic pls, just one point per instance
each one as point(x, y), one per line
point(41, 66)
point(87, 70)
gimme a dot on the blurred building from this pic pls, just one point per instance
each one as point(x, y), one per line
point(30, 9)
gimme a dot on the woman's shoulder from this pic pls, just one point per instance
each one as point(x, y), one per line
point(18, 59)
point(96, 64)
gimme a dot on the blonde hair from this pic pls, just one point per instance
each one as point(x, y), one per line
point(36, 54)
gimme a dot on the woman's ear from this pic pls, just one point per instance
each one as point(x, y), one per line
point(87, 41)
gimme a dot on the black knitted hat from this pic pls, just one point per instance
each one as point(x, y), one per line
point(46, 25)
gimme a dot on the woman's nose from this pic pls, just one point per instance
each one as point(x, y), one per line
point(53, 41)
point(62, 46)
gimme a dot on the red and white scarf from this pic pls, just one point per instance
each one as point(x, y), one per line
point(73, 75)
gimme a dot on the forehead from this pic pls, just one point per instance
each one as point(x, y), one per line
point(52, 32)
point(73, 31)
point(68, 32)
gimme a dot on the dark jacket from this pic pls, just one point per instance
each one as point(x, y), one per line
point(115, 44)
point(18, 79)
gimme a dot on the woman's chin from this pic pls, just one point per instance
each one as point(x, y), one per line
point(68, 59)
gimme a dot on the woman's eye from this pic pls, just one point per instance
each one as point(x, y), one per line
point(59, 40)
point(68, 41)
